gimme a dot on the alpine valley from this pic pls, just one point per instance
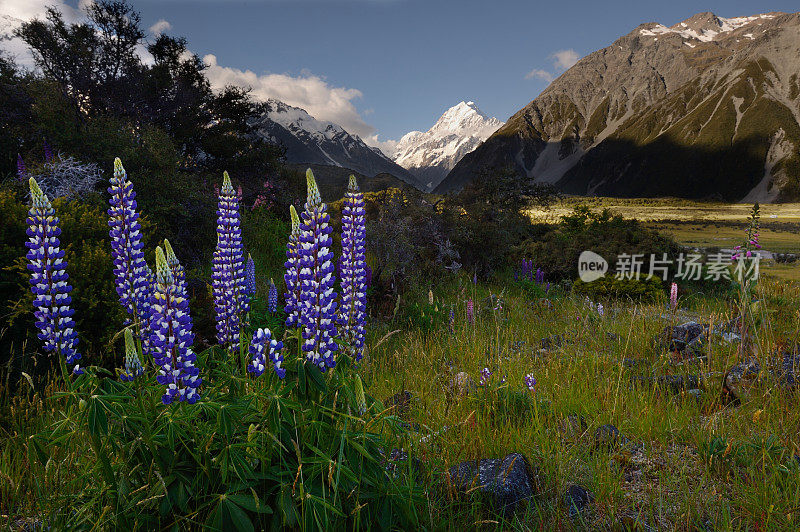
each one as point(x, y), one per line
point(706, 108)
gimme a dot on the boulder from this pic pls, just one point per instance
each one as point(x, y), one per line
point(740, 379)
point(577, 498)
point(504, 483)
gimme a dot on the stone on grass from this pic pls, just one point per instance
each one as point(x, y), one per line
point(740, 379)
point(461, 385)
point(577, 499)
point(503, 483)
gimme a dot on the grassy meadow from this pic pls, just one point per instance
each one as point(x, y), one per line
point(689, 456)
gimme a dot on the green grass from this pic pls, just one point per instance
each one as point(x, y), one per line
point(730, 467)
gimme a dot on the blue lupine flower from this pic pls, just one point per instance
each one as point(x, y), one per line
point(133, 366)
point(292, 276)
point(485, 376)
point(352, 315)
point(49, 279)
point(172, 337)
point(262, 344)
point(272, 298)
point(178, 277)
point(317, 296)
point(250, 276)
point(530, 382)
point(228, 267)
point(130, 268)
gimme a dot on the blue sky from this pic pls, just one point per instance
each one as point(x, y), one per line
point(385, 67)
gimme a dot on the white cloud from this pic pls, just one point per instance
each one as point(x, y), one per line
point(541, 74)
point(160, 27)
point(564, 59)
point(307, 91)
point(388, 147)
point(14, 12)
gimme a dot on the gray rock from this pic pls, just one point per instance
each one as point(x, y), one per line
point(673, 383)
point(609, 437)
point(740, 379)
point(503, 482)
point(572, 427)
point(788, 371)
point(577, 498)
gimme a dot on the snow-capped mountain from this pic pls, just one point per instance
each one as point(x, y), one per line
point(311, 141)
point(706, 108)
point(430, 155)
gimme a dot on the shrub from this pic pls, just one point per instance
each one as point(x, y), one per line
point(646, 288)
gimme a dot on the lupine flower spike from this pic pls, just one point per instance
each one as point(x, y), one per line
point(354, 276)
point(272, 298)
point(292, 276)
point(228, 267)
point(49, 279)
point(133, 366)
point(250, 277)
point(172, 338)
point(178, 277)
point(317, 296)
point(130, 268)
point(673, 296)
point(261, 345)
point(530, 382)
point(22, 171)
point(485, 376)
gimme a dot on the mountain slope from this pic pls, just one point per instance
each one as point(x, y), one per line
point(432, 154)
point(706, 108)
point(311, 141)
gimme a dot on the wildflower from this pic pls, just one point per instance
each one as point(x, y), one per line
point(673, 296)
point(130, 268)
point(261, 345)
point(228, 267)
point(22, 170)
point(317, 300)
point(178, 276)
point(292, 276)
point(272, 298)
point(470, 311)
point(452, 319)
point(361, 399)
point(430, 297)
point(49, 279)
point(485, 376)
point(354, 286)
point(133, 366)
point(539, 276)
point(600, 309)
point(530, 382)
point(250, 276)
point(172, 338)
point(48, 151)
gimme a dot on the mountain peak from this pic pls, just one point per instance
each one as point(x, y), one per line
point(431, 154)
point(705, 26)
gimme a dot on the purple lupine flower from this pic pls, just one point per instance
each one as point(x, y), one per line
point(317, 297)
point(354, 286)
point(452, 322)
point(133, 366)
point(178, 277)
point(539, 276)
point(172, 338)
point(48, 151)
point(228, 267)
point(262, 344)
point(272, 297)
point(530, 382)
point(470, 311)
point(49, 279)
point(600, 309)
point(250, 277)
point(130, 268)
point(292, 276)
point(22, 170)
point(485, 376)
